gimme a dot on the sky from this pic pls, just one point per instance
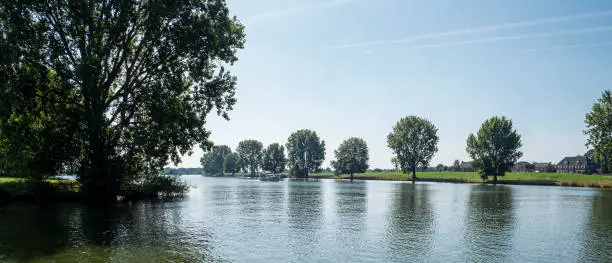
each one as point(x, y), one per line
point(353, 68)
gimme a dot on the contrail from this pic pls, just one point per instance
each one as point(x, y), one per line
point(518, 37)
point(597, 44)
point(284, 12)
point(484, 29)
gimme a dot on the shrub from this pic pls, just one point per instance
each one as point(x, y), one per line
point(154, 186)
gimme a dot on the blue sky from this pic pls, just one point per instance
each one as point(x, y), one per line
point(349, 68)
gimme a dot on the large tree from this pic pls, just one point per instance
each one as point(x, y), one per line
point(305, 152)
point(139, 76)
point(599, 131)
point(250, 152)
point(495, 148)
point(212, 162)
point(36, 140)
point(351, 157)
point(231, 163)
point(414, 141)
point(274, 158)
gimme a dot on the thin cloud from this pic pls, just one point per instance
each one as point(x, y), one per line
point(518, 37)
point(478, 30)
point(293, 10)
point(563, 47)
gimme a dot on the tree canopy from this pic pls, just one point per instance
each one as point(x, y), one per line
point(131, 83)
point(212, 162)
point(274, 158)
point(495, 148)
point(250, 153)
point(231, 163)
point(414, 142)
point(352, 157)
point(599, 131)
point(305, 152)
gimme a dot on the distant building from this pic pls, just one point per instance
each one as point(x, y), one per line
point(576, 164)
point(466, 167)
point(544, 167)
point(523, 167)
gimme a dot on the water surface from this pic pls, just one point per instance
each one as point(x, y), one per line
point(238, 220)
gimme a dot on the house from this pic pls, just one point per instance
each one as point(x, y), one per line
point(576, 164)
point(523, 167)
point(466, 167)
point(544, 167)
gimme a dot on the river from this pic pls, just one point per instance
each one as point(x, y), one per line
point(240, 220)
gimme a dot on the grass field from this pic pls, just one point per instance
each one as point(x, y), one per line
point(602, 181)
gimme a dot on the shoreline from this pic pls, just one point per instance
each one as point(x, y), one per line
point(597, 184)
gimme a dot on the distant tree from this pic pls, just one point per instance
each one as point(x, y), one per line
point(231, 163)
point(351, 157)
point(212, 162)
point(274, 158)
point(377, 170)
point(250, 152)
point(305, 152)
point(456, 165)
point(414, 142)
point(599, 131)
point(495, 148)
point(592, 165)
point(440, 167)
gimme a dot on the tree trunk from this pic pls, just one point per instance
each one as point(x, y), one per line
point(414, 173)
point(351, 177)
point(100, 184)
point(495, 179)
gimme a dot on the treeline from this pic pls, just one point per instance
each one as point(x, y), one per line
point(494, 149)
point(197, 170)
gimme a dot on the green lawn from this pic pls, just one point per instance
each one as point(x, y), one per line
point(14, 179)
point(472, 177)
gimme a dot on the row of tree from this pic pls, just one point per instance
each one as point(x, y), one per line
point(305, 154)
point(250, 156)
point(494, 149)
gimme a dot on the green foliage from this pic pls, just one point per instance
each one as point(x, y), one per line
point(250, 152)
point(36, 136)
point(456, 165)
point(351, 157)
point(599, 131)
point(414, 141)
point(231, 163)
point(305, 152)
point(495, 148)
point(274, 158)
point(133, 81)
point(212, 162)
point(154, 186)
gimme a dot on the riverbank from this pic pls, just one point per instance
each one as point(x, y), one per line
point(17, 189)
point(68, 190)
point(551, 179)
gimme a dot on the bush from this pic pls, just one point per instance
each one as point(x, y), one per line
point(155, 186)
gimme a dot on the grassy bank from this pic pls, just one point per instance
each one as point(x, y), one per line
point(17, 189)
point(51, 190)
point(600, 181)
